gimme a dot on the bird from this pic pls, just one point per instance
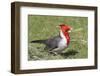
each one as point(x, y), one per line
point(58, 43)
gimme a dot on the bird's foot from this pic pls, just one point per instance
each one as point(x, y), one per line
point(53, 53)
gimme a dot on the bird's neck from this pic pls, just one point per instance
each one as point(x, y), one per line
point(65, 35)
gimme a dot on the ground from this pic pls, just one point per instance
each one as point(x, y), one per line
point(43, 27)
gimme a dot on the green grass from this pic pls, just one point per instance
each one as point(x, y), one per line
point(43, 27)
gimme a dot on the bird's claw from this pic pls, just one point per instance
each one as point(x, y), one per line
point(54, 53)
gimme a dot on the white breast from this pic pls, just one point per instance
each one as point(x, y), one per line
point(63, 42)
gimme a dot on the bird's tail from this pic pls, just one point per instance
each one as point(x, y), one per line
point(38, 41)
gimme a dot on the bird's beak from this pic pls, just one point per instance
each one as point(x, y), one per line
point(70, 30)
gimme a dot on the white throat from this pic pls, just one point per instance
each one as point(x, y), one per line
point(63, 36)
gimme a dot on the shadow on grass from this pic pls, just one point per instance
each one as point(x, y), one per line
point(70, 52)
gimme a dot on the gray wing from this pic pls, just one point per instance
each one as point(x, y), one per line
point(52, 43)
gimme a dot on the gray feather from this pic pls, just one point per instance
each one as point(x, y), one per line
point(38, 41)
point(50, 43)
point(53, 42)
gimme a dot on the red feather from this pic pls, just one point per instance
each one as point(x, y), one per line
point(65, 29)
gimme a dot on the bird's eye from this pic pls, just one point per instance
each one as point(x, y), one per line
point(66, 30)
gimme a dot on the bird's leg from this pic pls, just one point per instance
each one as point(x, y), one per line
point(55, 50)
point(52, 48)
point(54, 53)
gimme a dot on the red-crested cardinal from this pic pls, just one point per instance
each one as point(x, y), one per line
point(58, 43)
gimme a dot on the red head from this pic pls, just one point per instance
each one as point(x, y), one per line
point(65, 28)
